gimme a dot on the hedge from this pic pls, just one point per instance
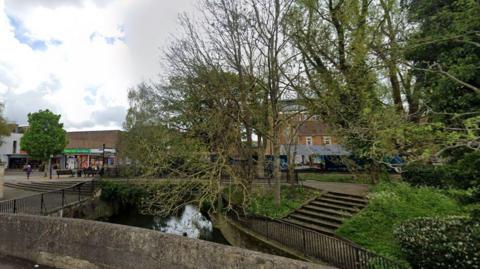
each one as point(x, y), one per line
point(452, 242)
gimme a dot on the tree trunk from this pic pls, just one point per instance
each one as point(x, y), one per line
point(261, 158)
point(45, 167)
point(276, 168)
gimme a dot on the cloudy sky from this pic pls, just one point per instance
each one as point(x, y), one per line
point(79, 57)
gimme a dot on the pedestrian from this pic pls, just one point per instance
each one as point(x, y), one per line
point(29, 170)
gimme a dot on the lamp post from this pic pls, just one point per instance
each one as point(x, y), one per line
point(103, 160)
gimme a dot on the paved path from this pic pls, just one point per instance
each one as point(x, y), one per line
point(12, 193)
point(349, 188)
point(19, 176)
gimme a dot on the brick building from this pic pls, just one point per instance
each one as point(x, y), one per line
point(89, 148)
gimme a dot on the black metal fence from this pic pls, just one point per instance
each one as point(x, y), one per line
point(328, 249)
point(49, 202)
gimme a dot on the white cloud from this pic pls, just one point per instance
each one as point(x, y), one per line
point(79, 58)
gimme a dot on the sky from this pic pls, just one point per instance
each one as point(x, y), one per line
point(79, 58)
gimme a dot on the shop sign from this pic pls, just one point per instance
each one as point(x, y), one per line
point(77, 151)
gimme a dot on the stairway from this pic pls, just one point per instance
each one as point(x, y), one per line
point(327, 212)
point(45, 186)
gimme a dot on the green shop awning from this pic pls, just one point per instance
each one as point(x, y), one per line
point(77, 151)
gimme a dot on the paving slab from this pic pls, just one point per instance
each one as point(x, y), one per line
point(348, 188)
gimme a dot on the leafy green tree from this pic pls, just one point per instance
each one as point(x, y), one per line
point(445, 52)
point(44, 137)
point(4, 130)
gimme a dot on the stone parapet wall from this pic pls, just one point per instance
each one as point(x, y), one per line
point(82, 244)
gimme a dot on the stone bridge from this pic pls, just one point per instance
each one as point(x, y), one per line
point(82, 244)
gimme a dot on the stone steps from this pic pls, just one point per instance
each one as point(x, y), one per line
point(339, 202)
point(319, 215)
point(44, 186)
point(339, 213)
point(327, 212)
point(316, 228)
point(335, 207)
point(354, 200)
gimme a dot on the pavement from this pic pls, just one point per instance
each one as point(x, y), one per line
point(12, 193)
point(20, 176)
point(348, 188)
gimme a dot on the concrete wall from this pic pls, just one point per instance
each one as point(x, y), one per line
point(240, 236)
point(82, 244)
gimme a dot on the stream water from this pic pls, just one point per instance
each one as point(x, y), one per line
point(190, 222)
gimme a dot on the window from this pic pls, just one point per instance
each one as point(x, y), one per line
point(309, 140)
point(327, 140)
point(14, 148)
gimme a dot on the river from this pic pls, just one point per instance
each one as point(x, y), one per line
point(190, 222)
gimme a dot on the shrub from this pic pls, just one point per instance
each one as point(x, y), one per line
point(389, 205)
point(262, 201)
point(452, 242)
point(423, 175)
point(463, 173)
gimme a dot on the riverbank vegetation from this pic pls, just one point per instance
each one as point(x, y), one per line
point(390, 205)
point(388, 78)
point(261, 201)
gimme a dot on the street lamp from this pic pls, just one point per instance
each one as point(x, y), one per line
point(103, 159)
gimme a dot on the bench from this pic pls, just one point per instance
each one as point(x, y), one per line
point(64, 172)
point(90, 172)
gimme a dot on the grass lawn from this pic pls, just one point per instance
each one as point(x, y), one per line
point(389, 205)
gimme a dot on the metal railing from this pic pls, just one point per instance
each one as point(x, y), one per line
point(51, 201)
point(334, 251)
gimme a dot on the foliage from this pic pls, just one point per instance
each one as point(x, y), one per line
point(45, 135)
point(4, 130)
point(156, 151)
point(389, 205)
point(463, 173)
point(156, 197)
point(124, 194)
point(440, 242)
point(445, 52)
point(261, 202)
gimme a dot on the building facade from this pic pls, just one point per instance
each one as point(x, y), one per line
point(10, 152)
point(305, 139)
point(89, 149)
point(84, 149)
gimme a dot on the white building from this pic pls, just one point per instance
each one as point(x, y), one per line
point(10, 147)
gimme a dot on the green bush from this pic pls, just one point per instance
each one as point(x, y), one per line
point(424, 175)
point(440, 242)
point(262, 203)
point(463, 173)
point(389, 205)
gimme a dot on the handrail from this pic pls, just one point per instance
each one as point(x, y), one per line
point(49, 201)
point(329, 249)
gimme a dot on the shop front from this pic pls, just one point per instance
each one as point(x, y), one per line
point(82, 158)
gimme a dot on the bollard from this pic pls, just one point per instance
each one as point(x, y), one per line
point(2, 172)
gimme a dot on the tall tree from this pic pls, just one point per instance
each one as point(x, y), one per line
point(4, 130)
point(445, 51)
point(44, 137)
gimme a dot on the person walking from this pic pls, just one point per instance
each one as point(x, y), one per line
point(29, 171)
